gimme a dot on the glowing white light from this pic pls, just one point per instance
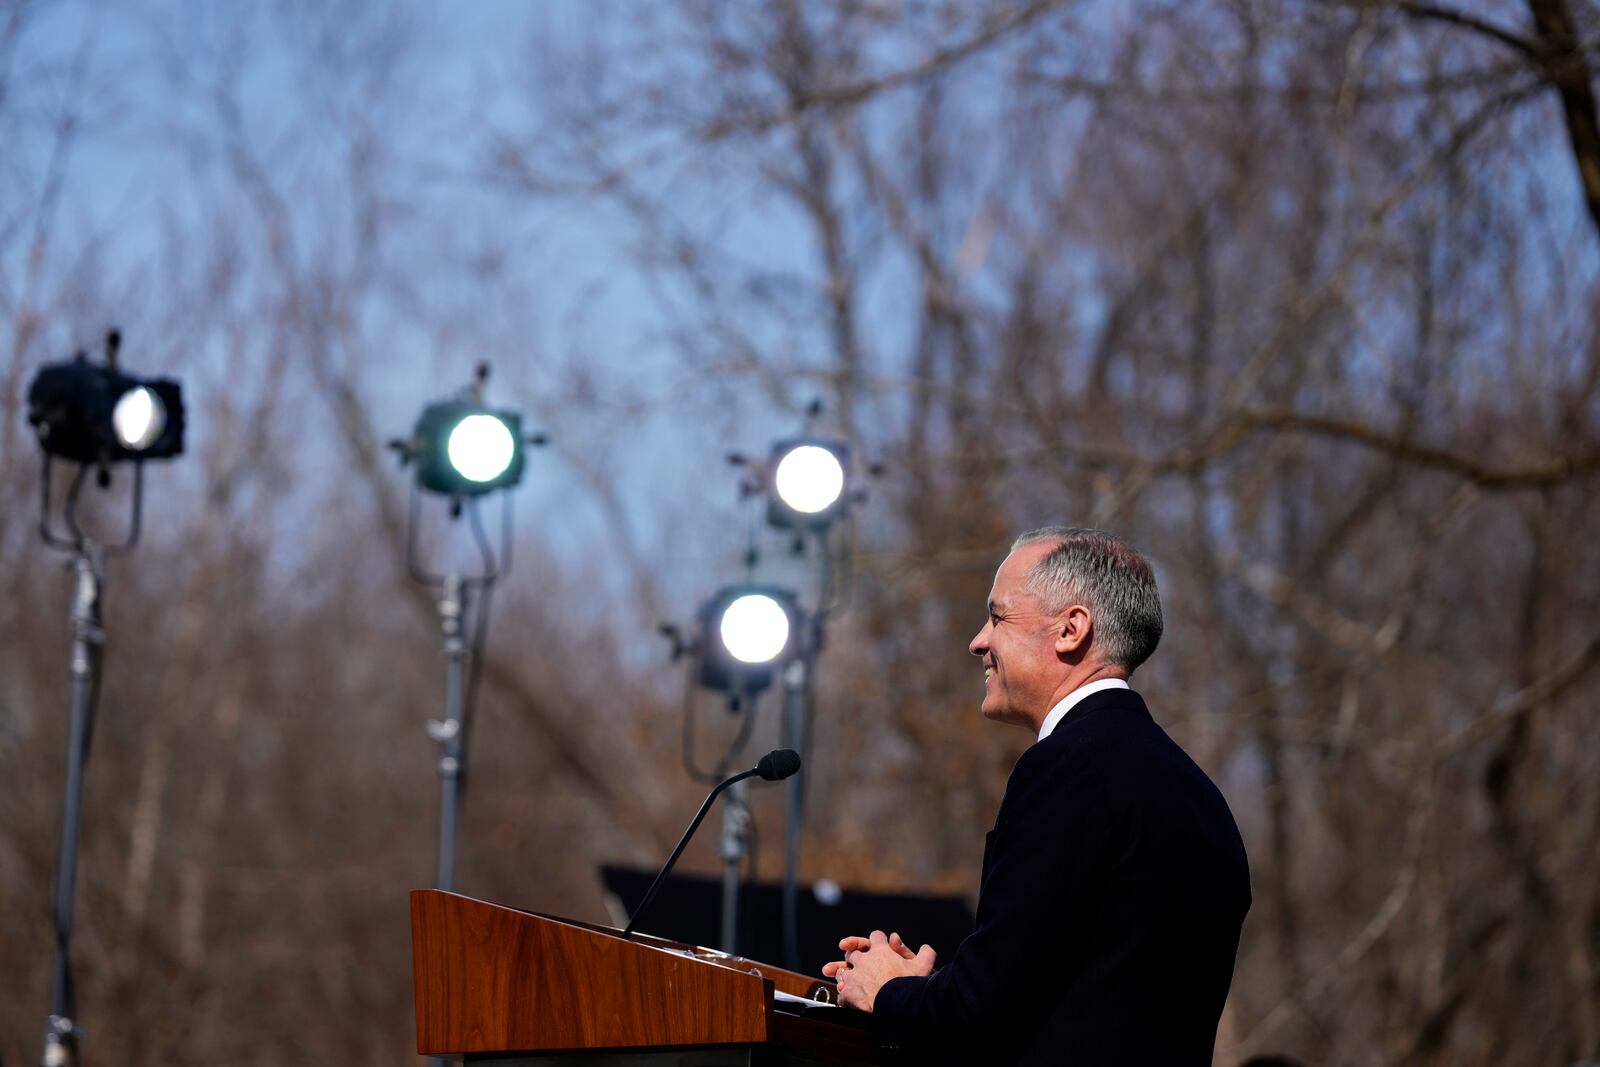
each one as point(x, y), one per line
point(138, 418)
point(755, 628)
point(481, 448)
point(809, 479)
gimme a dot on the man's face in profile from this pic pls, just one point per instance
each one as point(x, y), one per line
point(1017, 643)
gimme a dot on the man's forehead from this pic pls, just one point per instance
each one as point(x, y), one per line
point(1014, 570)
point(1017, 565)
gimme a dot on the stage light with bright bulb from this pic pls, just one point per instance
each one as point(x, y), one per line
point(754, 628)
point(463, 448)
point(95, 416)
point(93, 413)
point(746, 633)
point(808, 483)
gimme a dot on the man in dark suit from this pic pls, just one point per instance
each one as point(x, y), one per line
point(1114, 881)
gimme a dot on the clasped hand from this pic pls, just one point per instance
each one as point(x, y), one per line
point(871, 961)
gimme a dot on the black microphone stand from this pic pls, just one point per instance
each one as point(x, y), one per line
point(683, 842)
point(773, 767)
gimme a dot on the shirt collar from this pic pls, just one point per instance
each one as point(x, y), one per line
point(1070, 701)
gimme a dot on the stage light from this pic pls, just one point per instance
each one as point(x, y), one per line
point(754, 628)
point(808, 483)
point(809, 478)
point(481, 447)
point(462, 448)
point(746, 633)
point(93, 413)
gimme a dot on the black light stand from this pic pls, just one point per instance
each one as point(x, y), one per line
point(97, 416)
point(743, 688)
point(447, 732)
point(464, 479)
point(796, 715)
point(61, 1031)
point(795, 733)
point(88, 642)
point(813, 523)
point(733, 847)
point(451, 732)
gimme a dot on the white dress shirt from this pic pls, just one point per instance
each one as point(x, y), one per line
point(1070, 701)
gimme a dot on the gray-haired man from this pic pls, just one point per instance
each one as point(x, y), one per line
point(1114, 882)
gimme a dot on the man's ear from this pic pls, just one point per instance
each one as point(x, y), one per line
point(1073, 627)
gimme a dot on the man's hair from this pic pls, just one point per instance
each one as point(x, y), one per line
point(1106, 575)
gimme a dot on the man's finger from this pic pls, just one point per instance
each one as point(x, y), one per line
point(899, 945)
point(879, 938)
point(926, 956)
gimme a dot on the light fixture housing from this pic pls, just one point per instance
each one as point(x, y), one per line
point(747, 632)
point(463, 448)
point(808, 482)
point(94, 413)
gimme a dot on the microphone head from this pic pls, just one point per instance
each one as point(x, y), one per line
point(778, 764)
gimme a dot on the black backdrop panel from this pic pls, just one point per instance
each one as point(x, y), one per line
point(689, 908)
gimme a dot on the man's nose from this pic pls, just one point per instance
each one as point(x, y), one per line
point(980, 643)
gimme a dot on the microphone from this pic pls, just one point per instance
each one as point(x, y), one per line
point(775, 766)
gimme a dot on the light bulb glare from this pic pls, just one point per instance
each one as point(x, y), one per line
point(481, 448)
point(138, 418)
point(809, 479)
point(754, 628)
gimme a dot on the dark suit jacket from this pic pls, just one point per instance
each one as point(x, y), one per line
point(1114, 888)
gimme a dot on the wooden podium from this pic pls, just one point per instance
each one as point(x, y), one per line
point(495, 984)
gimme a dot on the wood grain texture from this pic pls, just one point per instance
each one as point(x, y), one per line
point(494, 979)
point(784, 981)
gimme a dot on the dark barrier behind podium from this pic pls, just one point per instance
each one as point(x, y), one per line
point(688, 908)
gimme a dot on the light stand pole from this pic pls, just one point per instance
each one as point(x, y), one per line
point(808, 484)
point(461, 449)
point(745, 634)
point(96, 416)
point(451, 732)
point(796, 709)
point(735, 845)
point(447, 732)
point(88, 638)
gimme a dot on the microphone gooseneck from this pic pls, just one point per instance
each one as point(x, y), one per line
point(774, 766)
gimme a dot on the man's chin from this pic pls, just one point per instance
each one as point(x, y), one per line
point(1002, 714)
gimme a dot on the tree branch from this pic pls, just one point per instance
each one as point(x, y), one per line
point(1548, 472)
point(857, 92)
point(1567, 68)
point(1435, 13)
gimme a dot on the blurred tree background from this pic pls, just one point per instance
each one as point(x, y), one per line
point(1300, 296)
